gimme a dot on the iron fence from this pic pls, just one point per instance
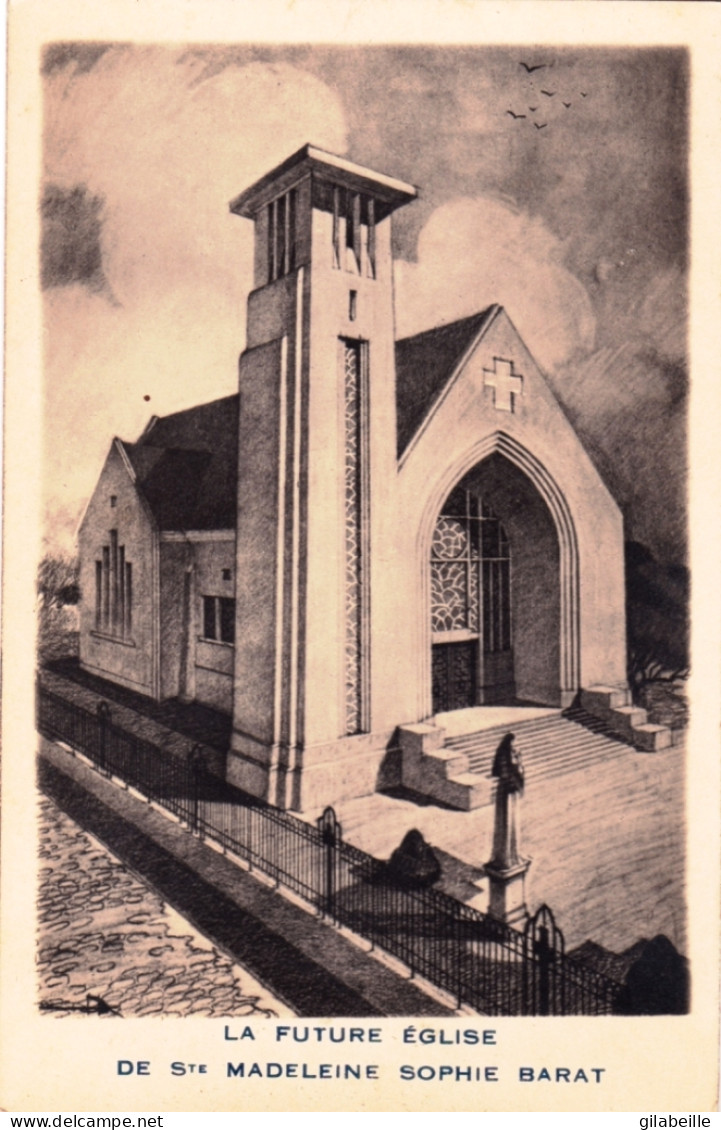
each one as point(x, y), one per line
point(474, 957)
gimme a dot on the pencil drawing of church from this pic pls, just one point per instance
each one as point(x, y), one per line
point(373, 533)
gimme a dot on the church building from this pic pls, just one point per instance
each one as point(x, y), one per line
point(373, 533)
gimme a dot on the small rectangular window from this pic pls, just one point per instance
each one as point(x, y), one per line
point(219, 619)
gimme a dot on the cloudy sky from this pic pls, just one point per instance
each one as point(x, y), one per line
point(571, 215)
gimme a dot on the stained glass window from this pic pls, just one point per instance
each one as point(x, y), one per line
point(470, 572)
point(353, 514)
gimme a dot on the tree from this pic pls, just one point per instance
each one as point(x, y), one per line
point(58, 592)
point(657, 619)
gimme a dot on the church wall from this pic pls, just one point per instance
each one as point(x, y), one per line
point(368, 318)
point(458, 433)
point(293, 616)
point(125, 657)
point(256, 564)
point(174, 560)
point(214, 576)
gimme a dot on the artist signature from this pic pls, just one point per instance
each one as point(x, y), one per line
point(93, 1005)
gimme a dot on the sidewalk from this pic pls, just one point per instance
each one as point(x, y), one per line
point(312, 967)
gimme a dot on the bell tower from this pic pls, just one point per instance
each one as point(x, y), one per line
point(317, 447)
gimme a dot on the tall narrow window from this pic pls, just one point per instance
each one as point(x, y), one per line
point(114, 583)
point(128, 598)
point(371, 239)
point(272, 272)
point(336, 225)
point(106, 587)
point(291, 215)
point(280, 234)
point(98, 595)
point(353, 230)
point(353, 389)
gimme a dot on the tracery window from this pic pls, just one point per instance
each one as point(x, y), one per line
point(470, 572)
point(354, 565)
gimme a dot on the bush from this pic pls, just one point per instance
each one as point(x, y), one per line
point(657, 620)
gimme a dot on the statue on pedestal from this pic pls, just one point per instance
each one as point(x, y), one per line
point(508, 768)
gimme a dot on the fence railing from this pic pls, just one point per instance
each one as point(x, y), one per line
point(474, 957)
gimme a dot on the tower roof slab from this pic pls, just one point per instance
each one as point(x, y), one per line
point(388, 191)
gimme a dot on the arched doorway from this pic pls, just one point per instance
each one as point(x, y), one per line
point(495, 592)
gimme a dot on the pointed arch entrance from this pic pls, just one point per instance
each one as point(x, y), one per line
point(472, 657)
point(502, 585)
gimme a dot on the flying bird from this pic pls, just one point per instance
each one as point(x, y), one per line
point(530, 70)
point(567, 105)
point(583, 94)
point(533, 108)
point(548, 93)
point(515, 115)
point(540, 127)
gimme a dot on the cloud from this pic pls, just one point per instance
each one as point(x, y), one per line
point(71, 247)
point(628, 402)
point(476, 251)
point(80, 56)
point(144, 154)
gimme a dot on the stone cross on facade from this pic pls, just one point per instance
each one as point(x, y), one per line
point(505, 384)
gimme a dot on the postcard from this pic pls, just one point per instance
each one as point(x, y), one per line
point(360, 610)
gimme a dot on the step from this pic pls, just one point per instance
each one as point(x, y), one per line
point(459, 773)
point(601, 700)
point(650, 737)
point(631, 722)
point(465, 792)
point(625, 719)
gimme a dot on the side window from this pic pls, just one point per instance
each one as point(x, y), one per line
point(114, 590)
point(219, 619)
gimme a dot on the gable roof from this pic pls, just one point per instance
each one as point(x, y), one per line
point(186, 466)
point(424, 363)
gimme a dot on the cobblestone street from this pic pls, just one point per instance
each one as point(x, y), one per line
point(108, 943)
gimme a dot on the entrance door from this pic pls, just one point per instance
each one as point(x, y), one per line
point(472, 658)
point(454, 675)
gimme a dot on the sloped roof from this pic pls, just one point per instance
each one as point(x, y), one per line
point(186, 465)
point(424, 363)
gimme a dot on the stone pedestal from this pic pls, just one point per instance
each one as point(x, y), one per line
point(507, 893)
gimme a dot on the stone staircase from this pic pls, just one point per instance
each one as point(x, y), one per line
point(612, 705)
point(550, 747)
point(456, 771)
